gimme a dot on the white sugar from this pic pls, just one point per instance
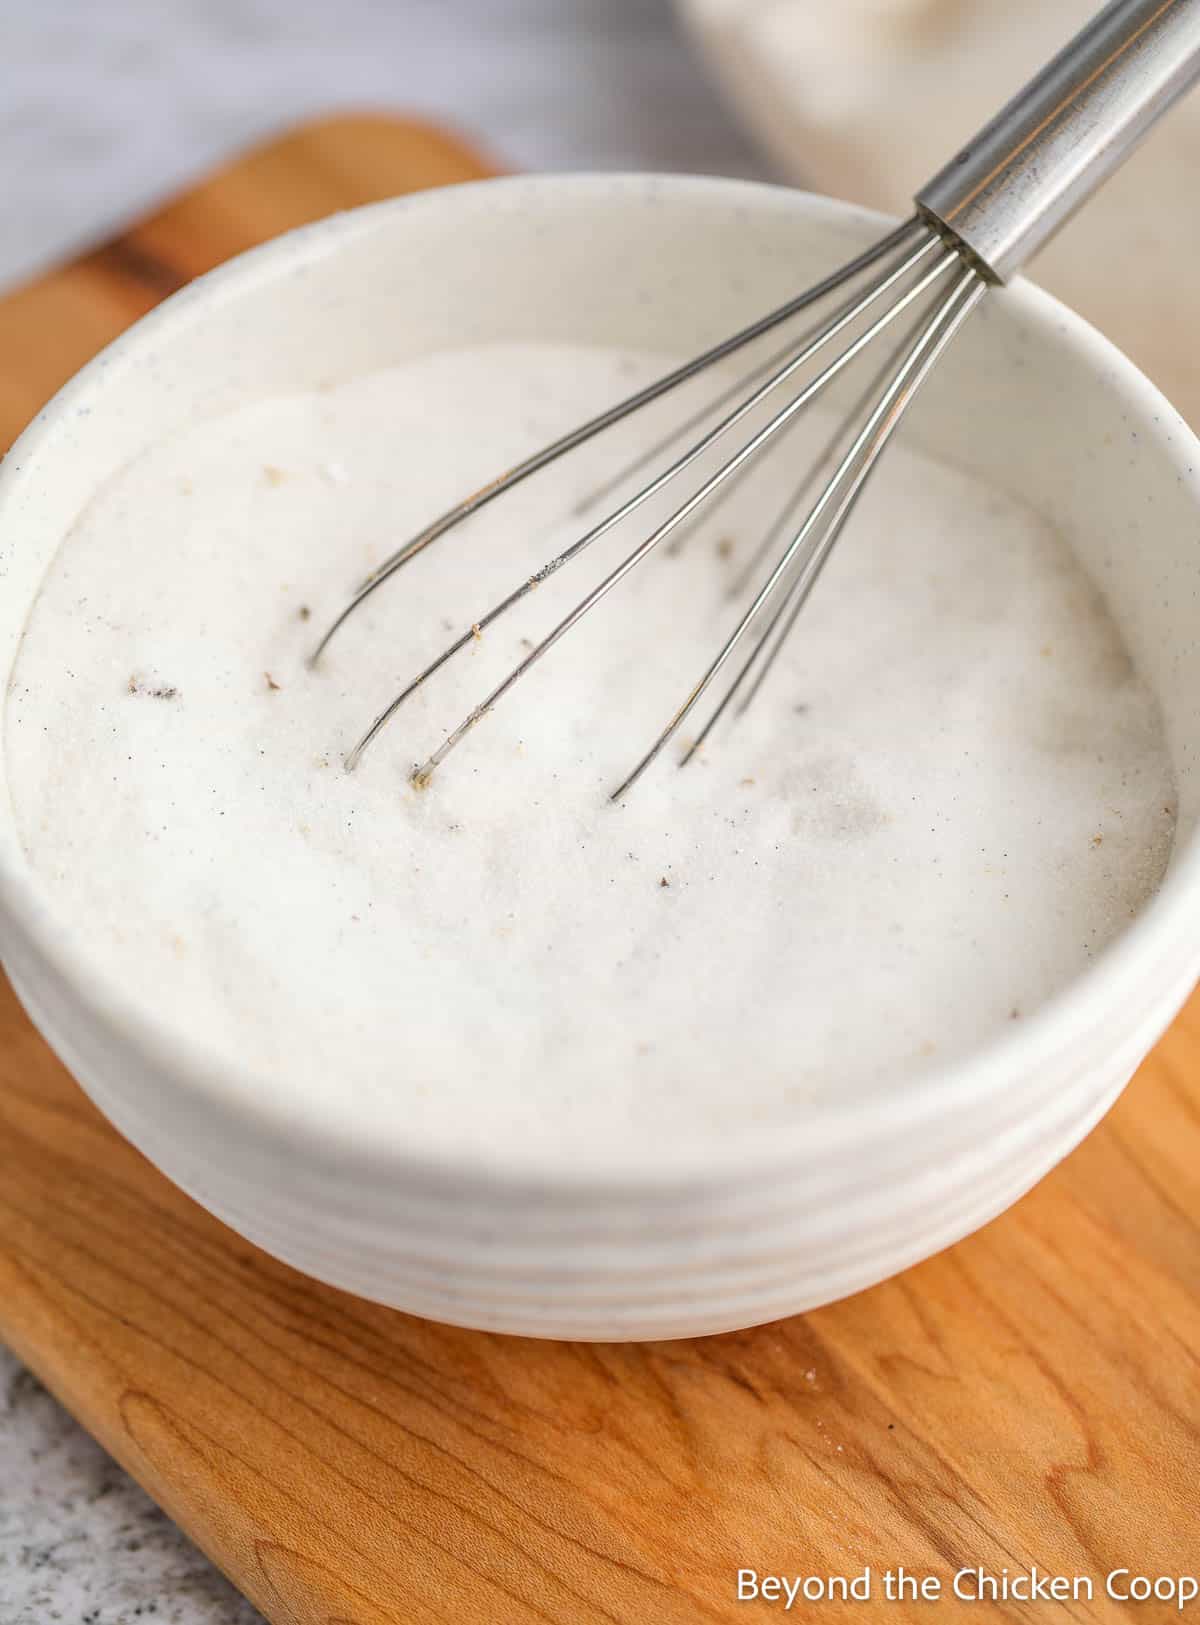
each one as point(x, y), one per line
point(951, 794)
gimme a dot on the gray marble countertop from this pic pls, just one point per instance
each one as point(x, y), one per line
point(79, 1541)
point(104, 109)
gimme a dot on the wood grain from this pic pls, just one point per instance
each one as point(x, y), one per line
point(1029, 1397)
point(50, 327)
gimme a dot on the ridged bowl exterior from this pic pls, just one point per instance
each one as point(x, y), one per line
point(641, 1247)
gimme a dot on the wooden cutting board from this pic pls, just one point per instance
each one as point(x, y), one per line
point(1029, 1397)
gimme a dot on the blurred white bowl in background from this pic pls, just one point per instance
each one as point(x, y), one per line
point(867, 98)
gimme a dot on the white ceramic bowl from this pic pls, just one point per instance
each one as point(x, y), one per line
point(674, 1240)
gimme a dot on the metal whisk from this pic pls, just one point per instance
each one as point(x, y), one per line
point(976, 223)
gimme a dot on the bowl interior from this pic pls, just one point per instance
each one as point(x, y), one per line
point(1028, 398)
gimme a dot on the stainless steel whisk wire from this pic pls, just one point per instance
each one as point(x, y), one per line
point(586, 431)
point(980, 218)
point(843, 318)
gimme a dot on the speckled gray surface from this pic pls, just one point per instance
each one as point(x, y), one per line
point(104, 109)
point(79, 1541)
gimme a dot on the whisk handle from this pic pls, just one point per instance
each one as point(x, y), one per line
point(1030, 168)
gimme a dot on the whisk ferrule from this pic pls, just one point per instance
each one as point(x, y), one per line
point(1031, 166)
point(977, 222)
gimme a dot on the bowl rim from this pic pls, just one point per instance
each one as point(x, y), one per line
point(317, 1125)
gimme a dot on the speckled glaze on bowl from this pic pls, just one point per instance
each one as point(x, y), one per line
point(674, 1240)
